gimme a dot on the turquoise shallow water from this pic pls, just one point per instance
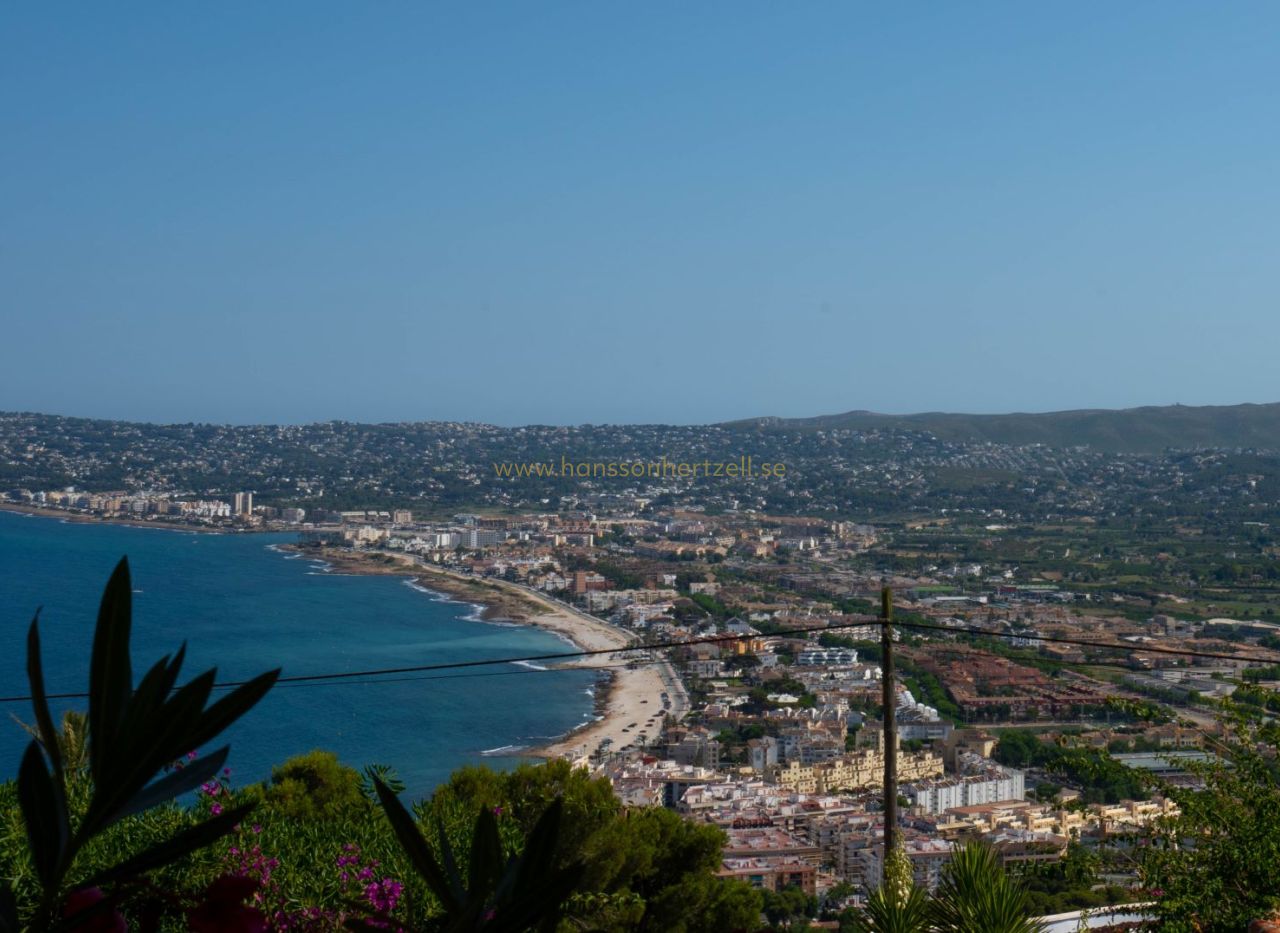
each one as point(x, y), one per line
point(245, 607)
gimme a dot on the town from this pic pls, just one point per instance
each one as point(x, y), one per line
point(1055, 677)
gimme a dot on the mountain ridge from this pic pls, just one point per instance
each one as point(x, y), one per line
point(1145, 429)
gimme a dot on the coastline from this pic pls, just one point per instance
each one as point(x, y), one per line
point(84, 518)
point(628, 700)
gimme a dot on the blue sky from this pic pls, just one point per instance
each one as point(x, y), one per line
point(606, 212)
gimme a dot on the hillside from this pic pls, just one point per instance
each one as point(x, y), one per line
point(1130, 430)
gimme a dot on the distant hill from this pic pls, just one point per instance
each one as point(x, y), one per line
point(1129, 430)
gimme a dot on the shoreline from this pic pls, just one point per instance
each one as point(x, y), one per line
point(628, 700)
point(86, 518)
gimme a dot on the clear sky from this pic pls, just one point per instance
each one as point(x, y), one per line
point(618, 212)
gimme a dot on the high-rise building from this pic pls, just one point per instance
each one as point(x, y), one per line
point(242, 504)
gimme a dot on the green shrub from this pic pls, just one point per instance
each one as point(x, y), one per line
point(315, 786)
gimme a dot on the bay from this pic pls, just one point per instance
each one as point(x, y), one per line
point(244, 606)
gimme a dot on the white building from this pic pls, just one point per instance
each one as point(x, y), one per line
point(990, 785)
point(827, 657)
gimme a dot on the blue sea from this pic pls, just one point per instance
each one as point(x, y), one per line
point(244, 606)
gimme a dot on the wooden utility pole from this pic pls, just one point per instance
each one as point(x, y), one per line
point(890, 733)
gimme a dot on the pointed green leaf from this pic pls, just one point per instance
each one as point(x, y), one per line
point(46, 820)
point(155, 736)
point(540, 851)
point(154, 724)
point(486, 855)
point(540, 907)
point(39, 702)
point(187, 778)
point(231, 707)
point(450, 862)
point(110, 676)
point(172, 849)
point(415, 847)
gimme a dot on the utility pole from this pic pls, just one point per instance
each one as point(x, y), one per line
point(890, 734)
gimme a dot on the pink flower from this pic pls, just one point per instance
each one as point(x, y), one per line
point(224, 909)
point(102, 921)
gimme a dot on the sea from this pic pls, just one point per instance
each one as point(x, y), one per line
point(244, 605)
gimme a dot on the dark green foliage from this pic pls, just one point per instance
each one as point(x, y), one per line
point(670, 864)
point(315, 786)
point(523, 795)
point(976, 895)
point(645, 869)
point(1100, 777)
point(1148, 429)
point(134, 734)
point(1216, 867)
point(789, 908)
point(927, 688)
point(384, 773)
point(1072, 882)
point(711, 606)
point(500, 894)
point(885, 913)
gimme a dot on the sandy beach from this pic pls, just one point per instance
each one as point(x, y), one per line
point(630, 706)
point(633, 706)
point(630, 702)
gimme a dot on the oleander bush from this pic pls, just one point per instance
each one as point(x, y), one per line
point(85, 855)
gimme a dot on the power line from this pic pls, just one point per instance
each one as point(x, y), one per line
point(303, 680)
point(526, 670)
point(716, 639)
